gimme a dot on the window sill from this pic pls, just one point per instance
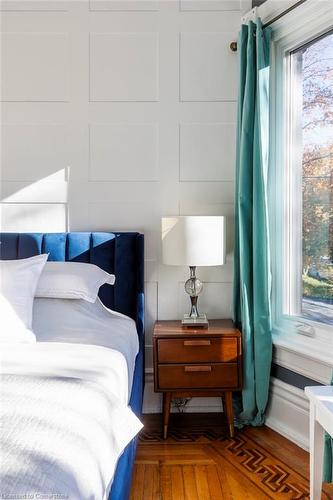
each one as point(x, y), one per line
point(307, 356)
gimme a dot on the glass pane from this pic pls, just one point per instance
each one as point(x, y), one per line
point(316, 63)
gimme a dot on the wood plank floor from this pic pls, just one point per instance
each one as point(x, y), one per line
point(199, 462)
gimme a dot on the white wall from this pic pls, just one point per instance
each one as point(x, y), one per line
point(116, 112)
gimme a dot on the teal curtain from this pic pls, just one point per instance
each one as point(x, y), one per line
point(328, 458)
point(252, 279)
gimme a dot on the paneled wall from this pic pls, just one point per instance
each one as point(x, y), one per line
point(116, 112)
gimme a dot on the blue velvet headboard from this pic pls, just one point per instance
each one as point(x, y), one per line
point(121, 254)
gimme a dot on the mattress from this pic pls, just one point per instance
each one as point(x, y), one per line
point(64, 419)
point(82, 322)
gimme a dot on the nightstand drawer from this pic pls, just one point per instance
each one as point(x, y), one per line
point(208, 376)
point(201, 350)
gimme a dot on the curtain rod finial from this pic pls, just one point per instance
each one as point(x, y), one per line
point(233, 46)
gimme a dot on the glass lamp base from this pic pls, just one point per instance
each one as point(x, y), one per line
point(191, 322)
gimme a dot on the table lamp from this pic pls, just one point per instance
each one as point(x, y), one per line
point(193, 241)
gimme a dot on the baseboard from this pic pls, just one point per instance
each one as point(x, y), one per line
point(288, 412)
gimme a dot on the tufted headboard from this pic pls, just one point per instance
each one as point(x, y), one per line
point(121, 254)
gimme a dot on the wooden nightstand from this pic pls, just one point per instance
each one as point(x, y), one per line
point(197, 362)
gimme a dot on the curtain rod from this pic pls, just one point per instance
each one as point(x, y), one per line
point(233, 45)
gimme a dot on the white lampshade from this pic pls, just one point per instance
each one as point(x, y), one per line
point(193, 240)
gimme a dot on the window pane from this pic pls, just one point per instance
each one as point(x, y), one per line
point(316, 64)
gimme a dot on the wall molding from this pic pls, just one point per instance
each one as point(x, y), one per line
point(122, 126)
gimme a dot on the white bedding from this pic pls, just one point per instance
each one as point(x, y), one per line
point(78, 321)
point(64, 419)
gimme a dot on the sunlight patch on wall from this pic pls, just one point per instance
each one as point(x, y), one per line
point(36, 207)
point(33, 217)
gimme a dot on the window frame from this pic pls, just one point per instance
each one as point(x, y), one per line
point(309, 21)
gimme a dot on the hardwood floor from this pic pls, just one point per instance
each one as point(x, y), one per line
point(199, 461)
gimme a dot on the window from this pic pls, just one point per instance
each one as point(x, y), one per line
point(310, 199)
point(300, 192)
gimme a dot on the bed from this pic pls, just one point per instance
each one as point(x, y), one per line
point(117, 253)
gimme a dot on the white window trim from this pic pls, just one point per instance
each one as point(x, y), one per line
point(311, 340)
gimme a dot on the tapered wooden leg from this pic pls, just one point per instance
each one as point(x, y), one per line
point(223, 402)
point(227, 400)
point(166, 412)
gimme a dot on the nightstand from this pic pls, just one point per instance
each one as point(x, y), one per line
point(191, 362)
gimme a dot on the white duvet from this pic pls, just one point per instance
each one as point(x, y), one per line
point(79, 321)
point(64, 420)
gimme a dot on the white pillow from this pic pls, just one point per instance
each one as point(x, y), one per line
point(12, 328)
point(72, 280)
point(18, 283)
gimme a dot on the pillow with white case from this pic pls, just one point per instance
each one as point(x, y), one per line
point(18, 283)
point(72, 280)
point(12, 327)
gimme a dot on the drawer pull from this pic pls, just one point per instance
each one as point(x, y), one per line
point(198, 368)
point(196, 342)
